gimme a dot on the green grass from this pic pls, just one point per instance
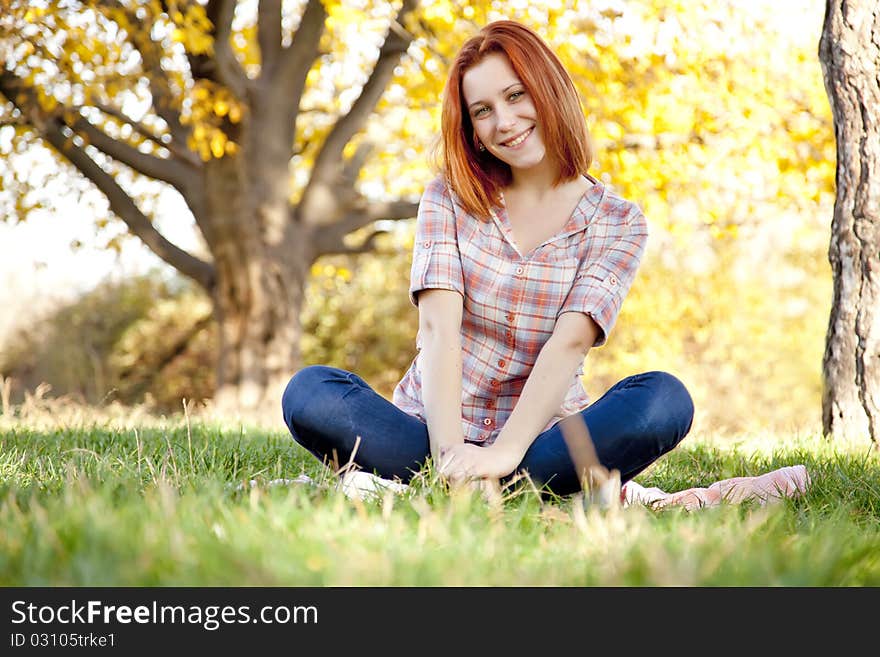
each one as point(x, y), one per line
point(158, 505)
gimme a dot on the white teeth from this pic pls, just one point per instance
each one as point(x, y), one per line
point(518, 140)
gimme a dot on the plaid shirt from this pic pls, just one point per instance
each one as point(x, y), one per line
point(512, 301)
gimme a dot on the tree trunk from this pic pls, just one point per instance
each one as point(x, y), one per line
point(849, 50)
point(257, 304)
point(262, 262)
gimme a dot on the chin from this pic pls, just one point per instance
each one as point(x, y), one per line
point(528, 161)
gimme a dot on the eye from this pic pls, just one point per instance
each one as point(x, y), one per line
point(480, 111)
point(515, 95)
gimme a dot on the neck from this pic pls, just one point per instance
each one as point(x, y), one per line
point(534, 181)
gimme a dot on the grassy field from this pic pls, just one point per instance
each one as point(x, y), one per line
point(159, 502)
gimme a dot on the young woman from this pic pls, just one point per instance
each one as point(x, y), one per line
point(521, 263)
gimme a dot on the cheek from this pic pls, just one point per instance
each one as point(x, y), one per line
point(480, 131)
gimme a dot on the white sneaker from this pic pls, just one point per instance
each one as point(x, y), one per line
point(357, 484)
point(635, 493)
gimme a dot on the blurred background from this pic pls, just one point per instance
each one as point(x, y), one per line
point(712, 116)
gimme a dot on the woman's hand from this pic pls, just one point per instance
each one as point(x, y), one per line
point(460, 463)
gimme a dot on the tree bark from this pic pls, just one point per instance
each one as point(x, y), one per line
point(260, 280)
point(849, 51)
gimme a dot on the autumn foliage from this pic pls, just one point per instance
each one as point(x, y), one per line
point(710, 115)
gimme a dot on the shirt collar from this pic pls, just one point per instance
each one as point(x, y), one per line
point(582, 216)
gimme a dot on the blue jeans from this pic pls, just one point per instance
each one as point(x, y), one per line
point(638, 420)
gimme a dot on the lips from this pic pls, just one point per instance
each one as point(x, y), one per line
point(519, 139)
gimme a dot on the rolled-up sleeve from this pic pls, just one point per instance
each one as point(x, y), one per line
point(436, 260)
point(605, 275)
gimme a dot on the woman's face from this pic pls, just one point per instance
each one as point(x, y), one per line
point(502, 112)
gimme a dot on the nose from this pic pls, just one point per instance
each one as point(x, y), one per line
point(506, 120)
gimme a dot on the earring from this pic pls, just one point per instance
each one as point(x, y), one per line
point(480, 146)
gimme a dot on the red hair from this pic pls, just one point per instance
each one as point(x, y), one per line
point(477, 177)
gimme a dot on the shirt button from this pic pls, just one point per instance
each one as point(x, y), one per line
point(494, 383)
point(487, 422)
point(501, 363)
point(509, 317)
point(613, 280)
point(427, 244)
point(519, 271)
point(490, 404)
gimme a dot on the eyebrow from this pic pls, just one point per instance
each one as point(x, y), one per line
point(479, 102)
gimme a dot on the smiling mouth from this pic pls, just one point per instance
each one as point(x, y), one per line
point(516, 141)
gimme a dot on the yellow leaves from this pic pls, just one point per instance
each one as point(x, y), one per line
point(331, 273)
point(440, 12)
point(201, 91)
point(610, 130)
point(33, 13)
point(225, 106)
point(212, 105)
point(342, 14)
point(192, 29)
point(218, 144)
point(47, 101)
point(210, 142)
point(626, 159)
point(675, 120)
point(212, 101)
point(115, 244)
point(244, 44)
point(221, 107)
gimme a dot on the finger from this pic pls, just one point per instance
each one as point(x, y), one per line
point(445, 464)
point(458, 474)
point(461, 483)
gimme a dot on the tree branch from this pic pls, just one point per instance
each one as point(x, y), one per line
point(326, 166)
point(339, 248)
point(330, 239)
point(50, 128)
point(229, 71)
point(352, 168)
point(184, 155)
point(297, 59)
point(167, 170)
point(24, 97)
point(123, 207)
point(269, 35)
point(389, 211)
